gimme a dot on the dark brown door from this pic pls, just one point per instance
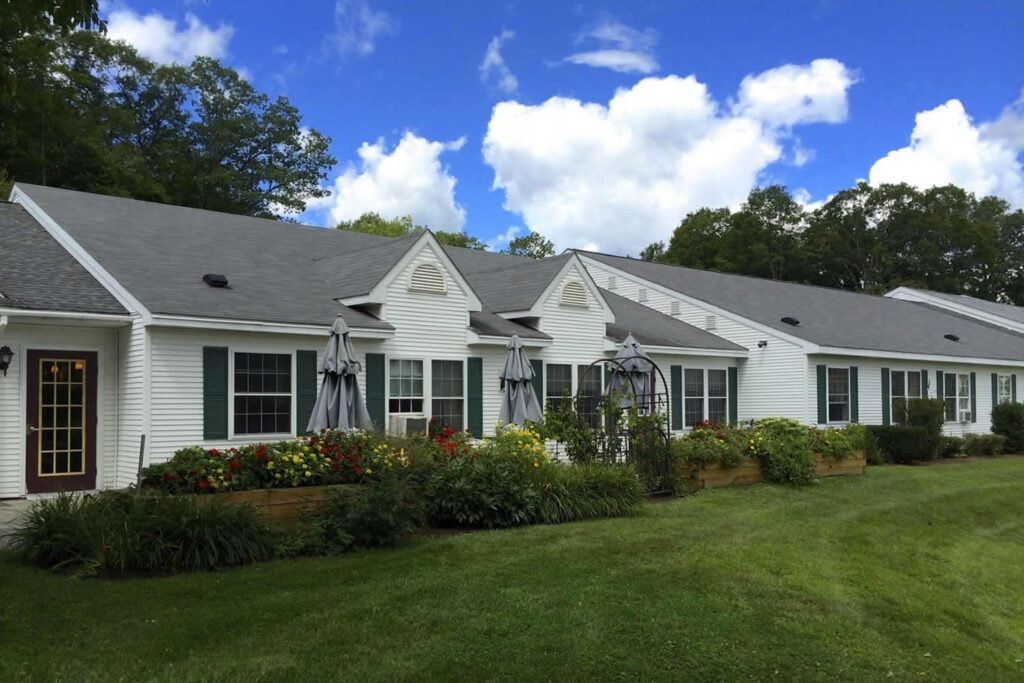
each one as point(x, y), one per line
point(61, 441)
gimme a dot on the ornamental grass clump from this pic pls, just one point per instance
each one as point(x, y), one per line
point(585, 491)
point(115, 533)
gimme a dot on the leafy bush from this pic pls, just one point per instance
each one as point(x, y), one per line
point(711, 444)
point(115, 533)
point(571, 492)
point(519, 444)
point(481, 493)
point(861, 439)
point(836, 444)
point(1008, 420)
point(929, 413)
point(984, 444)
point(950, 446)
point(785, 450)
point(903, 445)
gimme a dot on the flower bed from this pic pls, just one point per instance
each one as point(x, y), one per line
point(282, 509)
point(751, 471)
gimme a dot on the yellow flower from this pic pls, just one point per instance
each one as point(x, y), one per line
point(295, 458)
point(369, 471)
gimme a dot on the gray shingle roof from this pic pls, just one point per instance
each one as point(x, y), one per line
point(649, 326)
point(37, 273)
point(506, 283)
point(1008, 311)
point(160, 253)
point(487, 323)
point(832, 317)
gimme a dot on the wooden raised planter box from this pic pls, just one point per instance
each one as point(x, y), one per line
point(749, 472)
point(281, 508)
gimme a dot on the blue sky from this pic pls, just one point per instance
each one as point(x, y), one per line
point(460, 140)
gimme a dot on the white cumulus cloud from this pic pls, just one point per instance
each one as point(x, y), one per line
point(793, 94)
point(357, 27)
point(946, 147)
point(619, 48)
point(163, 40)
point(493, 69)
point(622, 175)
point(407, 180)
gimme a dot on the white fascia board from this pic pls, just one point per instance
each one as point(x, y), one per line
point(360, 300)
point(427, 240)
point(116, 289)
point(109, 318)
point(537, 310)
point(512, 315)
point(474, 339)
point(612, 345)
point(257, 326)
point(805, 345)
point(917, 296)
point(922, 357)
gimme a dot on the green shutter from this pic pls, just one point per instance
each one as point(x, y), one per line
point(854, 396)
point(940, 387)
point(676, 373)
point(305, 389)
point(475, 394)
point(375, 394)
point(215, 392)
point(734, 397)
point(974, 398)
point(1013, 387)
point(822, 395)
point(924, 384)
point(995, 390)
point(886, 403)
point(538, 381)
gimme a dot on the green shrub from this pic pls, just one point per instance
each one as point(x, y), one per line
point(903, 445)
point(861, 439)
point(950, 446)
point(481, 493)
point(984, 444)
point(116, 533)
point(1008, 420)
point(836, 444)
point(711, 445)
point(571, 492)
point(929, 413)
point(785, 450)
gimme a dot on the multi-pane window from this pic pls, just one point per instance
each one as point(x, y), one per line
point(1004, 389)
point(590, 385)
point(693, 396)
point(405, 386)
point(905, 386)
point(557, 384)
point(957, 396)
point(62, 423)
point(263, 393)
point(446, 388)
point(838, 394)
point(718, 396)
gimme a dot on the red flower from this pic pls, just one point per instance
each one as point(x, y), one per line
point(234, 464)
point(202, 485)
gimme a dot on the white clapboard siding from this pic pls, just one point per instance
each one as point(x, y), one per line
point(766, 376)
point(131, 400)
point(13, 416)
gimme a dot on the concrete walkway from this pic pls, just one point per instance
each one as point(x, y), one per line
point(9, 512)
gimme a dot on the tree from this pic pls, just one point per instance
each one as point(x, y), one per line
point(655, 251)
point(372, 223)
point(698, 239)
point(91, 114)
point(533, 245)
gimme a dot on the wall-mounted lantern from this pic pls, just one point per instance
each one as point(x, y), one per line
point(5, 358)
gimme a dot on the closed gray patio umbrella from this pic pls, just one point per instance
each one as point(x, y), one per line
point(631, 381)
point(519, 402)
point(340, 404)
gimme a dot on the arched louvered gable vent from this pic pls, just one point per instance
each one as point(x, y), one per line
point(427, 277)
point(574, 294)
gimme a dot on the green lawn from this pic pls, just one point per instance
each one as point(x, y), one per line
point(917, 572)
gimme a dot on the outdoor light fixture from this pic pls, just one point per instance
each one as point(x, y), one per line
point(5, 358)
point(763, 343)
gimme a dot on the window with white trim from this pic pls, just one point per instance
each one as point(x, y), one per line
point(589, 380)
point(447, 393)
point(405, 386)
point(839, 394)
point(557, 384)
point(957, 396)
point(1004, 389)
point(263, 393)
point(905, 386)
point(705, 396)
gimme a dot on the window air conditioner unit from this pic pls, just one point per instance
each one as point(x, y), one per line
point(406, 425)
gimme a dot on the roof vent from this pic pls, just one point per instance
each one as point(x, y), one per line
point(574, 294)
point(611, 282)
point(673, 308)
point(642, 295)
point(951, 337)
point(427, 277)
point(215, 280)
point(710, 322)
point(790, 321)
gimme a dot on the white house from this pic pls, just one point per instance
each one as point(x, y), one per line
point(828, 356)
point(137, 328)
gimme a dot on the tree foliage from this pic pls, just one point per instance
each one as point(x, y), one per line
point(864, 238)
point(534, 245)
point(372, 223)
point(85, 113)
